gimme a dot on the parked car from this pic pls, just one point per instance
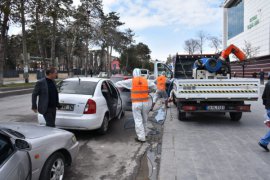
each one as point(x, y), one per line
point(87, 104)
point(103, 75)
point(35, 152)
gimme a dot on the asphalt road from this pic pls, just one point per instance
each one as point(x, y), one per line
point(115, 155)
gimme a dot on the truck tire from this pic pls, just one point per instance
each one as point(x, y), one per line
point(182, 116)
point(235, 116)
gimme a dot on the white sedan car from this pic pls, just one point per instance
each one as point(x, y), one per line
point(87, 104)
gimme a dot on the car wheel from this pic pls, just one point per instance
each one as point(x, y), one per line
point(105, 125)
point(236, 116)
point(54, 167)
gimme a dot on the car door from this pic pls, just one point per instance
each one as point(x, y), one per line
point(118, 100)
point(14, 165)
point(113, 99)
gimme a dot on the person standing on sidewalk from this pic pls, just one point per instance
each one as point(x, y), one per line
point(266, 102)
point(46, 91)
point(139, 87)
point(261, 76)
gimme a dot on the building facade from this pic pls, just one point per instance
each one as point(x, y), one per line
point(246, 24)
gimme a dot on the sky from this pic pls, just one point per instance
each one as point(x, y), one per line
point(164, 25)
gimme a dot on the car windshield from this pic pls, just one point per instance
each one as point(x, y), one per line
point(143, 71)
point(6, 148)
point(116, 79)
point(77, 87)
point(14, 133)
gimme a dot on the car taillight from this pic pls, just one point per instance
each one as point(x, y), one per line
point(189, 108)
point(90, 107)
point(243, 108)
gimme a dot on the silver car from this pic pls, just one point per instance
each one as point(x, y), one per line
point(35, 152)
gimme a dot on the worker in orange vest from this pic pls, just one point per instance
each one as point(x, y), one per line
point(139, 87)
point(161, 89)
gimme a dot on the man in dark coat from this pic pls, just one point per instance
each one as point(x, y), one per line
point(266, 102)
point(47, 94)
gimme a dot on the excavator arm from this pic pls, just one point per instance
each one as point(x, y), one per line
point(235, 50)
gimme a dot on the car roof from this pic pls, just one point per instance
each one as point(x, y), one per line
point(84, 79)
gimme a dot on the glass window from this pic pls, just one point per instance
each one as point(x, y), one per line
point(235, 18)
point(77, 87)
point(6, 148)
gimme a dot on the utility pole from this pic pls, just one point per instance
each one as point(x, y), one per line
point(25, 57)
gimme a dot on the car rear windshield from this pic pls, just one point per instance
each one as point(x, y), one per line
point(77, 87)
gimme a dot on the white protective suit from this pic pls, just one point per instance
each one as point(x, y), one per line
point(140, 110)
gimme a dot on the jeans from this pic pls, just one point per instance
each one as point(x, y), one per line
point(266, 139)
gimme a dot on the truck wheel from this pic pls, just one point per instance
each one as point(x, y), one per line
point(182, 116)
point(235, 116)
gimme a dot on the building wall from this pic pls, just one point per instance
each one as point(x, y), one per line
point(256, 27)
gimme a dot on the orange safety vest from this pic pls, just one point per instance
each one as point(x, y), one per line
point(139, 91)
point(161, 83)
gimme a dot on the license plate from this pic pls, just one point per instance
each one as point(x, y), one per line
point(215, 108)
point(67, 107)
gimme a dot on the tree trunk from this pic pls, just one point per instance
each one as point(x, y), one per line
point(4, 27)
point(41, 51)
point(53, 42)
point(110, 61)
point(25, 58)
point(1, 60)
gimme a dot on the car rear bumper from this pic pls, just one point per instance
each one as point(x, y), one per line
point(84, 122)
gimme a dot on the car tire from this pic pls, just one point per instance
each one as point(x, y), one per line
point(236, 116)
point(53, 167)
point(104, 126)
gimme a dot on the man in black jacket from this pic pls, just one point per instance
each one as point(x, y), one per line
point(48, 99)
point(266, 102)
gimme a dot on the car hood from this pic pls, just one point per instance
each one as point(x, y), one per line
point(31, 131)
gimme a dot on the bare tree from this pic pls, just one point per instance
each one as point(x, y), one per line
point(191, 46)
point(202, 37)
point(249, 50)
point(214, 42)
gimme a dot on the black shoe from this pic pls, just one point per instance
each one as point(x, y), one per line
point(138, 140)
point(264, 147)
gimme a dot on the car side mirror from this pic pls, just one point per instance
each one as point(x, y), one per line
point(23, 145)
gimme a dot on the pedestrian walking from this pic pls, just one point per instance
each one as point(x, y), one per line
point(91, 73)
point(261, 76)
point(266, 102)
point(161, 93)
point(234, 74)
point(46, 91)
point(139, 87)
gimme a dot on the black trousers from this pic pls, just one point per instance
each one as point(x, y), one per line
point(49, 116)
